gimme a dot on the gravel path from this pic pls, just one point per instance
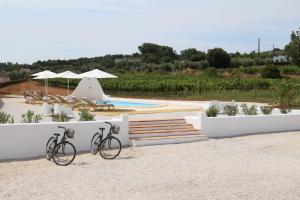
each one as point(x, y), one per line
point(251, 167)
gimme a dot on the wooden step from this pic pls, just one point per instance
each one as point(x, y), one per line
point(164, 131)
point(164, 134)
point(167, 140)
point(157, 122)
point(159, 127)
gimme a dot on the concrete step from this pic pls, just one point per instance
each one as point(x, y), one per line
point(159, 127)
point(167, 140)
point(156, 122)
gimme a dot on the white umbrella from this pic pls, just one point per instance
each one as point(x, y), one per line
point(46, 72)
point(68, 75)
point(96, 73)
point(46, 75)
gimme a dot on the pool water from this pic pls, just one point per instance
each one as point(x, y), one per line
point(127, 104)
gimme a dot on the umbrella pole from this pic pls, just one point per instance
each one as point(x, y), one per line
point(68, 85)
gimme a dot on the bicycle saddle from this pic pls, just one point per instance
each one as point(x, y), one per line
point(56, 134)
point(102, 129)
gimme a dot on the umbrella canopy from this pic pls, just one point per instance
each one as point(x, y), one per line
point(96, 73)
point(44, 73)
point(68, 75)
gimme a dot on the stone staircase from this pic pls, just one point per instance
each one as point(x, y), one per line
point(167, 131)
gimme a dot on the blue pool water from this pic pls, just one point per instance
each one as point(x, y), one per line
point(127, 104)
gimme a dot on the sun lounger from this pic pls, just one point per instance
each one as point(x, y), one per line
point(95, 106)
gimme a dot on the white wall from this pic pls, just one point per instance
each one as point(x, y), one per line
point(228, 126)
point(29, 140)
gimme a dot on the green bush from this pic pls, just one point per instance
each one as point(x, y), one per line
point(212, 111)
point(211, 72)
point(285, 96)
point(31, 117)
point(6, 118)
point(266, 110)
point(231, 110)
point(271, 72)
point(252, 110)
point(63, 117)
point(85, 115)
point(284, 110)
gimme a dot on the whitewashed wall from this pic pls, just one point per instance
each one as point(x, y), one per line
point(29, 140)
point(228, 126)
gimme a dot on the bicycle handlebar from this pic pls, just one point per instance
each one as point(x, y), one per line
point(62, 127)
point(108, 123)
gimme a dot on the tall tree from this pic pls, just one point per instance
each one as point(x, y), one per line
point(192, 54)
point(154, 53)
point(293, 48)
point(218, 58)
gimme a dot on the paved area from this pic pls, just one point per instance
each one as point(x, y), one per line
point(251, 167)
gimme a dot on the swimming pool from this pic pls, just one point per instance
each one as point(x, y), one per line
point(127, 104)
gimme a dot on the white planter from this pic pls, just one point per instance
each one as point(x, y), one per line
point(29, 140)
point(228, 126)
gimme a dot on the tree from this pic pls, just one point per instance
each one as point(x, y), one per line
point(218, 58)
point(192, 55)
point(293, 48)
point(153, 53)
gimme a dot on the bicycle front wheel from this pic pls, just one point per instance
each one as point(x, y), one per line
point(110, 148)
point(49, 148)
point(64, 153)
point(95, 143)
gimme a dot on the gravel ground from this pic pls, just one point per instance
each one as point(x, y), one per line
point(250, 167)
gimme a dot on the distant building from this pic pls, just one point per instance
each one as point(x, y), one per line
point(280, 59)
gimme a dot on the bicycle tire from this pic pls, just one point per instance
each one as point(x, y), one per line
point(50, 148)
point(106, 147)
point(59, 150)
point(94, 149)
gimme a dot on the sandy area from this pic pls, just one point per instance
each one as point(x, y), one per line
point(251, 167)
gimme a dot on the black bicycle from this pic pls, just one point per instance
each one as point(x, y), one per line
point(63, 153)
point(108, 147)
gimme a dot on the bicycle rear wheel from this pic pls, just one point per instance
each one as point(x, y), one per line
point(49, 148)
point(95, 143)
point(110, 148)
point(64, 153)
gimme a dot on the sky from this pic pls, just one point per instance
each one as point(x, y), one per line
point(32, 30)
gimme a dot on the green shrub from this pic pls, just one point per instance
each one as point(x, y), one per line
point(6, 118)
point(271, 72)
point(212, 111)
point(285, 110)
point(85, 115)
point(266, 110)
point(63, 117)
point(31, 117)
point(231, 110)
point(285, 96)
point(252, 110)
point(211, 72)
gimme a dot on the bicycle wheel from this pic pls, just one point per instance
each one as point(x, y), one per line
point(95, 142)
point(64, 153)
point(49, 148)
point(110, 148)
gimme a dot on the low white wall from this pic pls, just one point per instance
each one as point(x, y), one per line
point(29, 140)
point(194, 120)
point(228, 126)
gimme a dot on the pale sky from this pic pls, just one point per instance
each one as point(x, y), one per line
point(32, 30)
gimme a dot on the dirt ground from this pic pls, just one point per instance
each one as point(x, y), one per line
point(17, 88)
